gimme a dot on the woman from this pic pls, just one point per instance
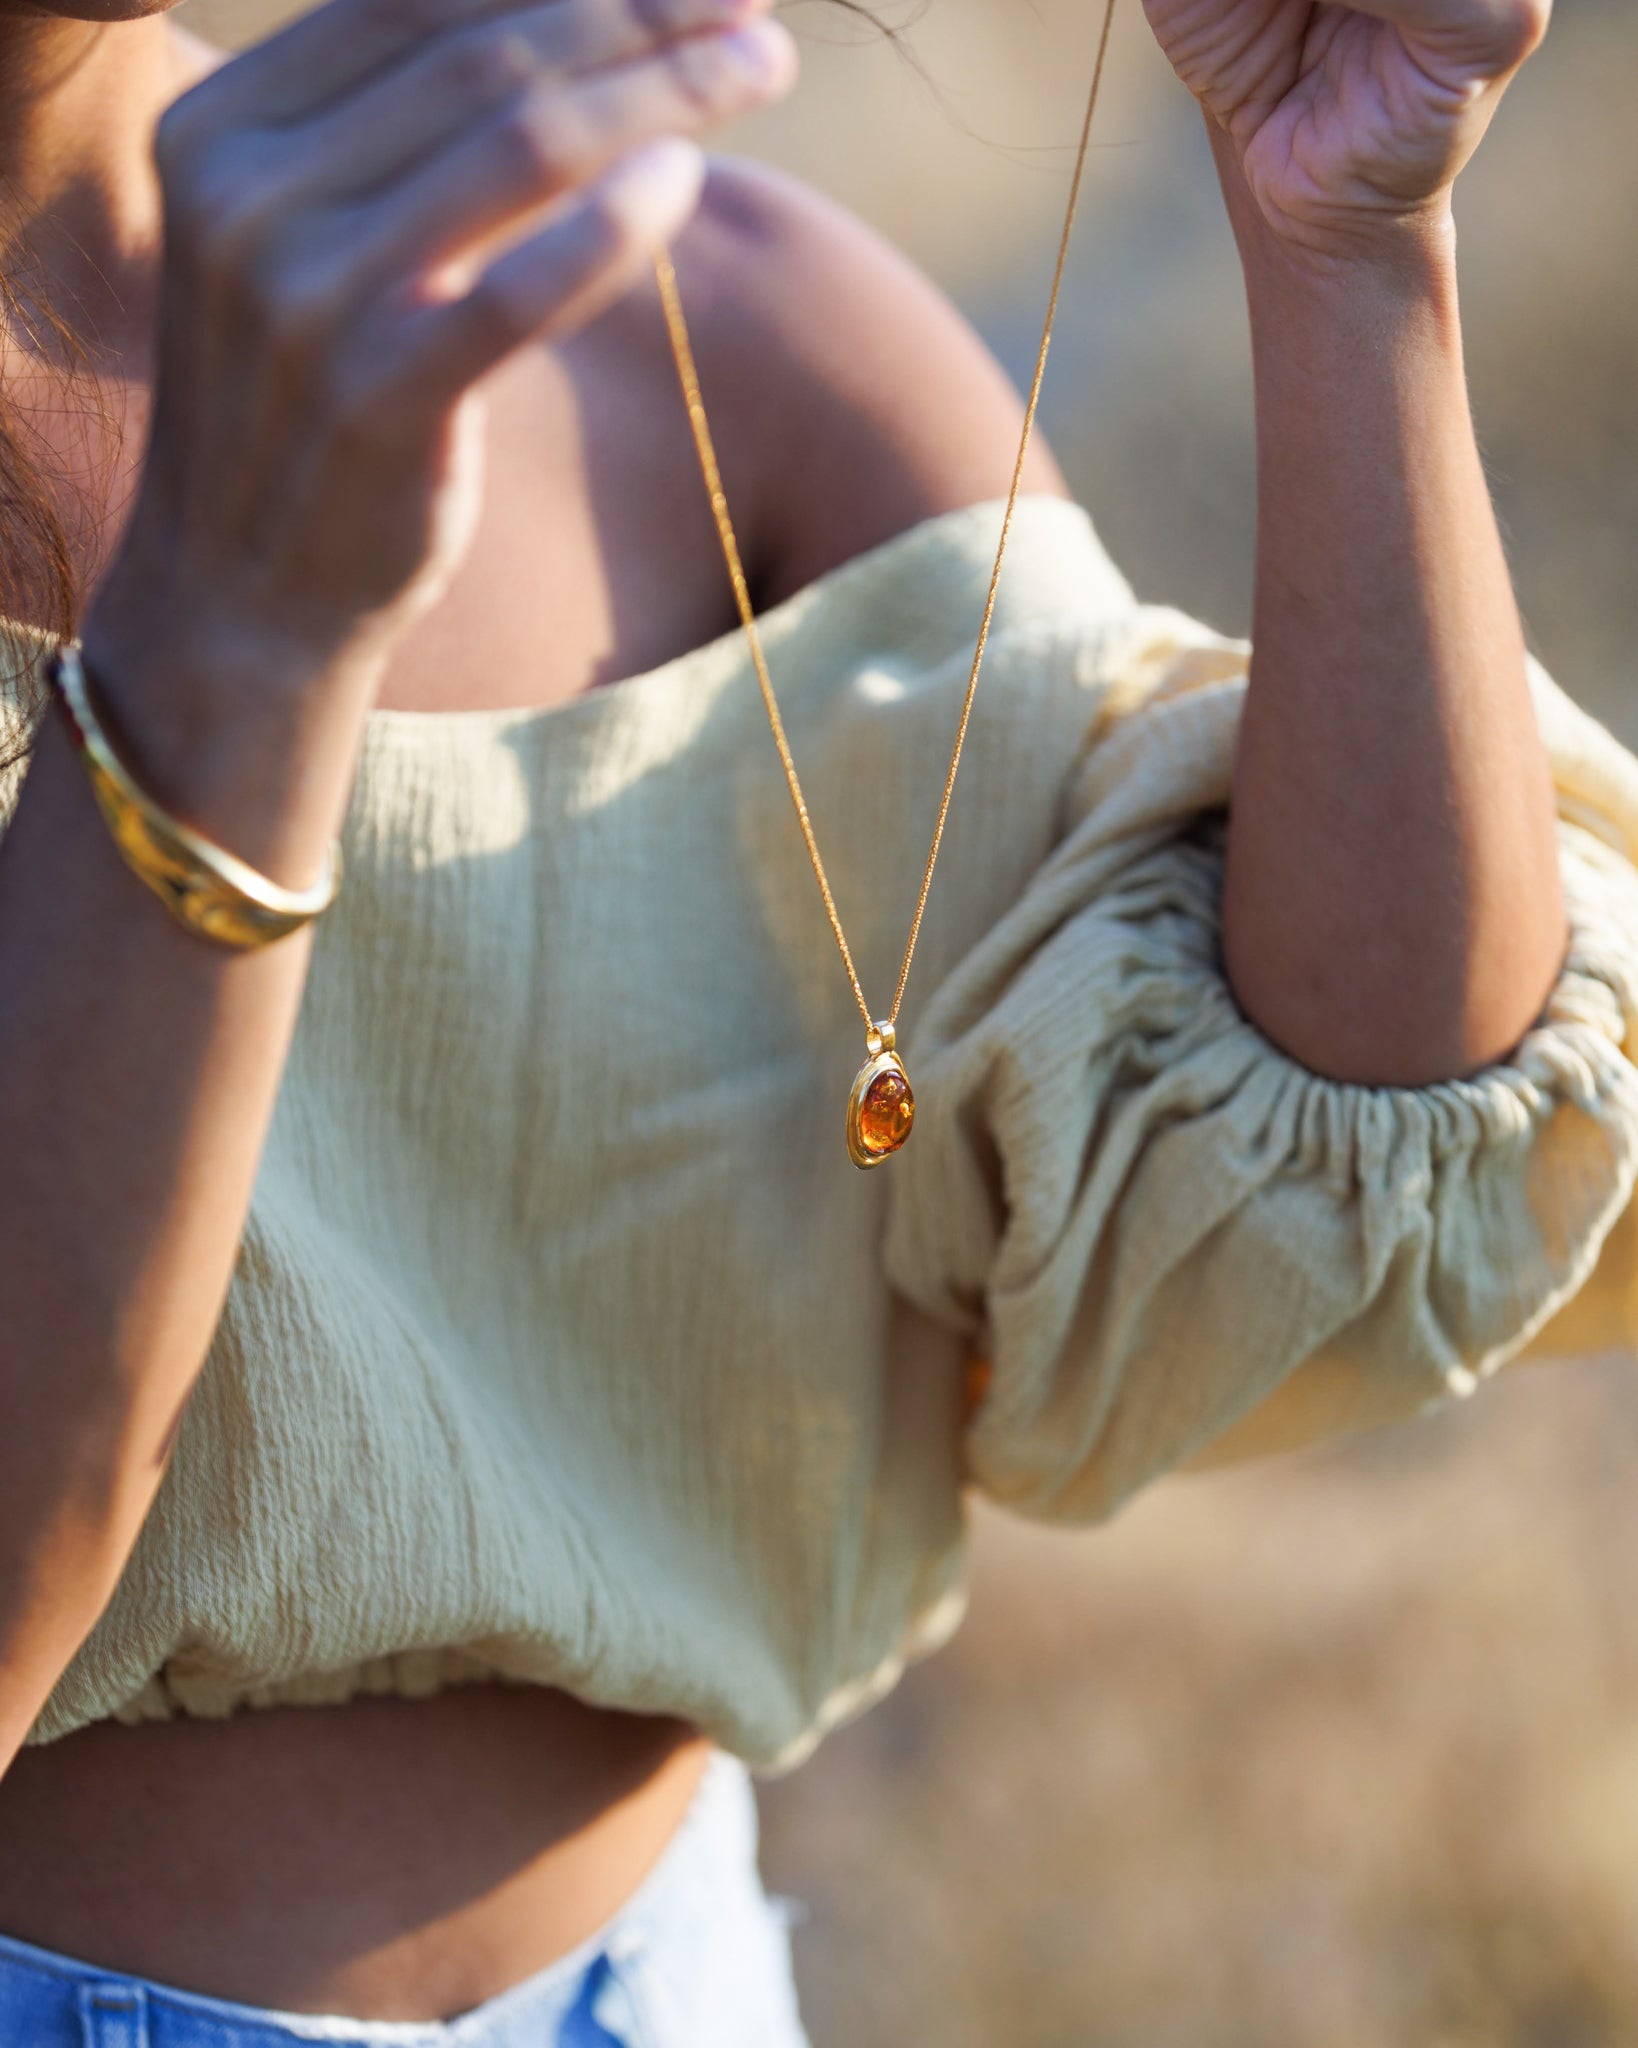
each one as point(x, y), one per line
point(398, 1569)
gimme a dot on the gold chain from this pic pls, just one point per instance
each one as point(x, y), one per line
point(681, 348)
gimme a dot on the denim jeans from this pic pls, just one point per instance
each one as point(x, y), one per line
point(698, 1957)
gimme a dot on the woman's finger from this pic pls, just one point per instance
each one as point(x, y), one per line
point(1490, 36)
point(419, 106)
point(556, 279)
point(326, 52)
point(548, 142)
point(331, 50)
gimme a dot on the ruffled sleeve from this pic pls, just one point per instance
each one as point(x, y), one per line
point(1163, 1235)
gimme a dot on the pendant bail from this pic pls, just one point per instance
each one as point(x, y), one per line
point(879, 1038)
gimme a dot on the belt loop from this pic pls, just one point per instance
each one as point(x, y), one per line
point(113, 2015)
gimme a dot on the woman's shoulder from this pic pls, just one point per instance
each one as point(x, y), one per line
point(859, 399)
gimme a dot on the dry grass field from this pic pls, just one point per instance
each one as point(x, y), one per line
point(1341, 1753)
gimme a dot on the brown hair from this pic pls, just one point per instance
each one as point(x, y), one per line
point(37, 581)
point(43, 508)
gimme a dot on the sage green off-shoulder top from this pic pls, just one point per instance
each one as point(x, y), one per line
point(565, 1342)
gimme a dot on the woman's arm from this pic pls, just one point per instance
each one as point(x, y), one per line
point(309, 488)
point(1391, 907)
point(138, 1067)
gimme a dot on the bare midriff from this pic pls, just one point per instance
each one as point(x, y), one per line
point(384, 1859)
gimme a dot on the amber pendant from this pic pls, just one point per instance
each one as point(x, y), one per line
point(881, 1107)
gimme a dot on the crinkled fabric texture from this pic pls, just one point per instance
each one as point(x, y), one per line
point(1152, 1221)
point(565, 1343)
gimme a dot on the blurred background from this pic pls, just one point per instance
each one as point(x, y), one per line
point(1340, 1752)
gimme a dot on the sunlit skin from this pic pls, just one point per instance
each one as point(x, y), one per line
point(365, 486)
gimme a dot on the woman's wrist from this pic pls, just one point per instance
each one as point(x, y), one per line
point(1375, 301)
point(251, 740)
point(1334, 316)
point(1384, 317)
point(1389, 256)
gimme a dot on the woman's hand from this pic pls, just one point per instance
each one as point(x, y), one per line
point(364, 215)
point(1348, 120)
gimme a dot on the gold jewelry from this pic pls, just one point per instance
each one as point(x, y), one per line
point(211, 891)
point(881, 1106)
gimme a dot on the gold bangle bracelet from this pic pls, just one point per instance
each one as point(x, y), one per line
point(207, 889)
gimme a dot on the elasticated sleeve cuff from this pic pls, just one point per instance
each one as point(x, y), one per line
point(1150, 1220)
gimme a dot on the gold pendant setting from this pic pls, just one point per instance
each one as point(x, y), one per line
point(882, 1107)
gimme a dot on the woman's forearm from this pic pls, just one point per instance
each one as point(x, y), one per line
point(138, 1071)
point(1392, 909)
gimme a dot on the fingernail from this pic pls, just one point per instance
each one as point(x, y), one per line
point(762, 49)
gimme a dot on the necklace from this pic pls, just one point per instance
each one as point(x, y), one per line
point(881, 1105)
